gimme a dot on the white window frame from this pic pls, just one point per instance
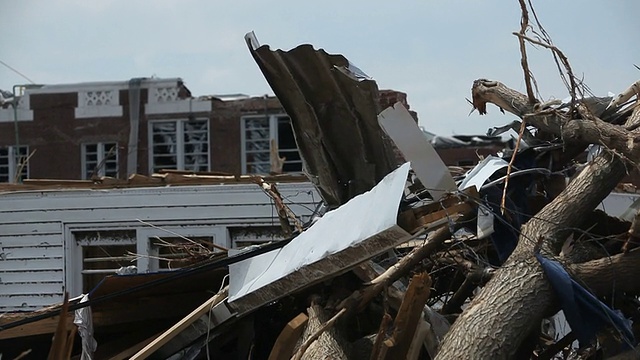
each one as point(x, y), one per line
point(101, 154)
point(74, 261)
point(273, 134)
point(147, 237)
point(180, 153)
point(13, 161)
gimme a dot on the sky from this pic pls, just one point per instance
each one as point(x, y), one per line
point(432, 50)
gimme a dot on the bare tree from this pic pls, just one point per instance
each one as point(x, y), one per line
point(509, 309)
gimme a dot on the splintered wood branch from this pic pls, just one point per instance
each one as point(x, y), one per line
point(23, 162)
point(277, 162)
point(434, 241)
point(284, 212)
point(590, 129)
point(523, 126)
point(59, 344)
point(524, 25)
point(573, 87)
point(465, 290)
point(380, 335)
point(633, 90)
point(195, 243)
point(519, 288)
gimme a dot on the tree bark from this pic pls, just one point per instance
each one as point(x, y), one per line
point(618, 272)
point(514, 302)
point(329, 345)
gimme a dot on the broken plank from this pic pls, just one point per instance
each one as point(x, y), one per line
point(44, 326)
point(286, 341)
point(409, 314)
point(450, 211)
point(181, 325)
point(59, 344)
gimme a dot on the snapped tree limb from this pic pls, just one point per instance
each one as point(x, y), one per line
point(514, 301)
point(590, 129)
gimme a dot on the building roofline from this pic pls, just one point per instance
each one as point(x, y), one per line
point(96, 85)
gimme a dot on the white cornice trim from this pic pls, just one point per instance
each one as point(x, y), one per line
point(103, 85)
point(178, 107)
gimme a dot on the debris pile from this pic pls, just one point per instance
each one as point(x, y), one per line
point(407, 261)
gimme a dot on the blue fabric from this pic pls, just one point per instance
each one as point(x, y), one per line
point(507, 228)
point(585, 313)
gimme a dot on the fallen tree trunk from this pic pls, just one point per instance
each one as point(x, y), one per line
point(320, 339)
point(513, 303)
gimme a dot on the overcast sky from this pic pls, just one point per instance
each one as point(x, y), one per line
point(432, 50)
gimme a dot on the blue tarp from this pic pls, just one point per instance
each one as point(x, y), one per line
point(585, 313)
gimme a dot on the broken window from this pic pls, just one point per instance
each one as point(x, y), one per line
point(170, 253)
point(180, 144)
point(100, 159)
point(14, 161)
point(258, 135)
point(103, 253)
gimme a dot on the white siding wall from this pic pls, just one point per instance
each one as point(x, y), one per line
point(31, 265)
point(38, 253)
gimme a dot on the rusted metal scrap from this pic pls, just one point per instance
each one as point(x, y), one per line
point(333, 108)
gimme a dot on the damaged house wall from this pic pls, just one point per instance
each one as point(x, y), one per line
point(43, 233)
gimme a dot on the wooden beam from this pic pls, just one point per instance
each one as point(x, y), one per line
point(44, 326)
point(460, 208)
point(59, 344)
point(181, 325)
point(286, 342)
point(409, 315)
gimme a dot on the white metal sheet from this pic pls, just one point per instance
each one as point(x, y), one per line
point(483, 171)
point(398, 123)
point(362, 217)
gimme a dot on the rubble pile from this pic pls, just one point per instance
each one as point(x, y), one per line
point(406, 261)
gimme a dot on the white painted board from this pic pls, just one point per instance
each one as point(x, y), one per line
point(362, 217)
point(398, 123)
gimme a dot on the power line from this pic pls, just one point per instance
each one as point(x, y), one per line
point(16, 71)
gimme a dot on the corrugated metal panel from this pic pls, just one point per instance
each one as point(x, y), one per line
point(333, 108)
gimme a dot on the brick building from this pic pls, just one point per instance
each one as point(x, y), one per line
point(76, 131)
point(139, 126)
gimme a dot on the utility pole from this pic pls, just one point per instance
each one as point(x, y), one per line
point(16, 129)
